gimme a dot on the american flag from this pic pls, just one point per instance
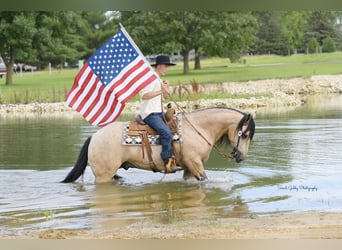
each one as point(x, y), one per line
point(113, 74)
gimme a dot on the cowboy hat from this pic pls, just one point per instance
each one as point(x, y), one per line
point(163, 60)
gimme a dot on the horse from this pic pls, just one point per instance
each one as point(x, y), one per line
point(202, 131)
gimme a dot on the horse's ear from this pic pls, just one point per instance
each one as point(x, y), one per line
point(250, 117)
point(254, 114)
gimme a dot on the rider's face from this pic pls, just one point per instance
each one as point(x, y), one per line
point(161, 69)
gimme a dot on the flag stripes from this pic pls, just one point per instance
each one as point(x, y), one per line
point(112, 76)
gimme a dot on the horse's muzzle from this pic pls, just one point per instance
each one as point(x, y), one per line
point(237, 155)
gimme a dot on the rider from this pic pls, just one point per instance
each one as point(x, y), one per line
point(151, 109)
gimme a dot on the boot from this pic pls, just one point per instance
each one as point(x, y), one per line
point(170, 165)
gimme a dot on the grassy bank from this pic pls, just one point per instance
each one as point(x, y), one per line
point(44, 86)
point(215, 70)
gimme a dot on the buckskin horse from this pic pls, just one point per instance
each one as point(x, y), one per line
point(202, 131)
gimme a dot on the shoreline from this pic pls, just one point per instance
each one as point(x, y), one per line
point(269, 93)
point(302, 225)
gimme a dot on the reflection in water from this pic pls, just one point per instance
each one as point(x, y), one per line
point(170, 201)
point(165, 202)
point(290, 153)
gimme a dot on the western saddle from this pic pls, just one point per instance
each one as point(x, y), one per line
point(138, 127)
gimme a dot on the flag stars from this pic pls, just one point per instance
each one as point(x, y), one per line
point(110, 59)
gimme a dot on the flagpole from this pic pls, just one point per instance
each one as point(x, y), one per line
point(139, 51)
point(133, 43)
point(142, 55)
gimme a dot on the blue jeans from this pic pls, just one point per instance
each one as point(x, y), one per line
point(156, 121)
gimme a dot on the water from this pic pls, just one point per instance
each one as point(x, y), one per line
point(294, 165)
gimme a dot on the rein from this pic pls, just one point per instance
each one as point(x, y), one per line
point(218, 151)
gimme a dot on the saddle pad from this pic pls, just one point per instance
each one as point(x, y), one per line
point(153, 138)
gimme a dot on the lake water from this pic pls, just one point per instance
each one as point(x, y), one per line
point(294, 164)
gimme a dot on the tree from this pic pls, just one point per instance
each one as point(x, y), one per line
point(58, 40)
point(313, 45)
point(322, 24)
point(17, 31)
point(42, 37)
point(223, 33)
point(328, 45)
point(294, 24)
point(271, 35)
point(230, 34)
point(75, 35)
point(97, 27)
point(158, 32)
point(35, 37)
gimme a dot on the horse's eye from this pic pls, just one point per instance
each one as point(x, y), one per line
point(244, 136)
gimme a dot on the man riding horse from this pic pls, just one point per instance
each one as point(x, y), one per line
point(151, 110)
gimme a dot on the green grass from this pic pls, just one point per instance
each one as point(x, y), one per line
point(216, 70)
point(45, 87)
point(38, 86)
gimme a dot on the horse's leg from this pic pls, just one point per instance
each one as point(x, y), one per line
point(187, 174)
point(105, 153)
point(194, 168)
point(104, 171)
point(104, 166)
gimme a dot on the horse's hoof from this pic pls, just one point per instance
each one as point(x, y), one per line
point(187, 174)
point(201, 177)
point(117, 177)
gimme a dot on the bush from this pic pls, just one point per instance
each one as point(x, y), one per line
point(313, 46)
point(328, 45)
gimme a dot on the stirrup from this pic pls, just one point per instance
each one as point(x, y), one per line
point(171, 167)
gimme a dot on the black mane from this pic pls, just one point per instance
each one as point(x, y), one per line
point(198, 110)
point(251, 125)
point(251, 128)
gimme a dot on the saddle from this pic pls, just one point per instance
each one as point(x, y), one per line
point(138, 127)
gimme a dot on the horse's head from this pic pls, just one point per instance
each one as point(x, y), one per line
point(242, 136)
point(239, 136)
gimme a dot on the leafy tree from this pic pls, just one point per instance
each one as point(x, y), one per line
point(153, 31)
point(313, 45)
point(284, 32)
point(17, 32)
point(160, 32)
point(76, 35)
point(61, 42)
point(322, 24)
point(212, 33)
point(42, 37)
point(294, 24)
point(328, 45)
point(338, 40)
point(35, 37)
point(272, 36)
point(230, 34)
point(97, 27)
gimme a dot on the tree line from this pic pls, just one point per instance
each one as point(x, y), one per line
point(57, 37)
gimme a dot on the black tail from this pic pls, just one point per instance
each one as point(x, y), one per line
point(80, 164)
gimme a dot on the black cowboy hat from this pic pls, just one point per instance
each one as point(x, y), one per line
point(163, 60)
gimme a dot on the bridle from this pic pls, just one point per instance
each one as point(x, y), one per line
point(234, 152)
point(232, 155)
